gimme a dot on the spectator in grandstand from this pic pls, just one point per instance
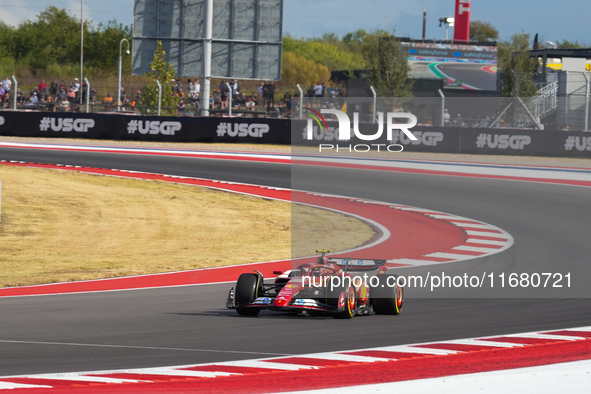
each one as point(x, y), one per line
point(20, 97)
point(193, 97)
point(50, 107)
point(53, 88)
point(178, 86)
point(287, 100)
point(458, 121)
point(260, 91)
point(6, 100)
point(269, 94)
point(75, 86)
point(180, 108)
point(6, 85)
point(309, 96)
point(564, 127)
point(318, 93)
point(197, 87)
point(499, 124)
point(485, 122)
point(271, 109)
point(224, 92)
point(33, 99)
point(108, 102)
point(250, 104)
point(235, 88)
point(43, 89)
point(62, 103)
point(71, 95)
point(446, 118)
point(61, 94)
point(239, 100)
point(331, 91)
point(318, 89)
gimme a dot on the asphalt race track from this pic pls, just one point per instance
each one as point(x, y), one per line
point(471, 74)
point(189, 325)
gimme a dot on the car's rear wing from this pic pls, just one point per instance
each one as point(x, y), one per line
point(357, 264)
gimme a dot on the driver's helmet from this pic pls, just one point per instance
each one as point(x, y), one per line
point(323, 260)
point(319, 270)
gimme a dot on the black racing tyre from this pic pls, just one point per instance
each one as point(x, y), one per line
point(348, 294)
point(245, 292)
point(387, 298)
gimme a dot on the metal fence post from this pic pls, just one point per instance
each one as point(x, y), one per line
point(159, 96)
point(229, 99)
point(15, 91)
point(87, 93)
point(375, 95)
point(207, 46)
point(301, 100)
point(442, 122)
point(586, 101)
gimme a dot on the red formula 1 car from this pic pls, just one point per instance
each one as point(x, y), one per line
point(341, 287)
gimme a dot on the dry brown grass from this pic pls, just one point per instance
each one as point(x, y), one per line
point(66, 226)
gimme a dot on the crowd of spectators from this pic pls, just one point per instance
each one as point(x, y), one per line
point(70, 96)
point(61, 96)
point(57, 96)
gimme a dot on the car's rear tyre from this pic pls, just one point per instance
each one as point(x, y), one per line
point(342, 296)
point(387, 298)
point(245, 292)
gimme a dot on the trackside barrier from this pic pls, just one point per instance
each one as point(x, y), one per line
point(144, 128)
point(285, 131)
point(466, 140)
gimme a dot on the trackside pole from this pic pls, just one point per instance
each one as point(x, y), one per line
point(207, 36)
point(442, 121)
point(88, 93)
point(15, 91)
point(375, 95)
point(586, 102)
point(229, 99)
point(159, 96)
point(301, 100)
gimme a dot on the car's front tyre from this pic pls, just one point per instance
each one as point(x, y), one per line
point(342, 297)
point(387, 298)
point(245, 293)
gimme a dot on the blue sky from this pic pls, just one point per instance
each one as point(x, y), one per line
point(553, 20)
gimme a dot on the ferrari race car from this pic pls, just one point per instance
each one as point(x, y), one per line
point(341, 287)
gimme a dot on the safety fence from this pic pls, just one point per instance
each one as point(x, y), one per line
point(469, 140)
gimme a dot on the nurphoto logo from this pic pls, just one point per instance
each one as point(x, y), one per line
point(347, 129)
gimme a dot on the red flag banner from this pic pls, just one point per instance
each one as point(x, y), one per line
point(462, 22)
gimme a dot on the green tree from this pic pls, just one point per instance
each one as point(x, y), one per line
point(162, 72)
point(387, 65)
point(328, 51)
point(483, 31)
point(566, 44)
point(518, 66)
point(101, 46)
point(53, 38)
point(7, 49)
point(356, 36)
point(297, 69)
